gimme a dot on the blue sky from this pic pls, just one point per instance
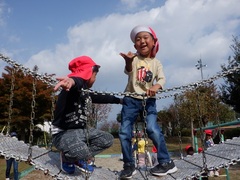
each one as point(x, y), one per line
point(51, 33)
point(30, 26)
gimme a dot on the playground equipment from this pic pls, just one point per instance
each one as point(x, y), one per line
point(221, 155)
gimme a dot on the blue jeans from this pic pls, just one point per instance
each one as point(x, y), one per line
point(15, 168)
point(130, 111)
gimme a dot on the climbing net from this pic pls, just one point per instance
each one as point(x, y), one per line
point(46, 160)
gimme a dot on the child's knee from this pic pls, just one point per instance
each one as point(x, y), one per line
point(109, 140)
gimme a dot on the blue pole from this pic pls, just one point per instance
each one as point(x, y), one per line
point(236, 122)
point(195, 141)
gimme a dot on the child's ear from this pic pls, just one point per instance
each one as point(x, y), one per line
point(135, 46)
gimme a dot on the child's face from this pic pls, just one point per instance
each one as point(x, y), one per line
point(191, 152)
point(144, 44)
point(208, 136)
point(91, 81)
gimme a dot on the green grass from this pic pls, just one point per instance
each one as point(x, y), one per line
point(172, 144)
point(21, 167)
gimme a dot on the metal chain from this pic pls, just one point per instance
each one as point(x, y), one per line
point(201, 129)
point(179, 128)
point(44, 78)
point(52, 116)
point(136, 139)
point(144, 103)
point(218, 122)
point(205, 81)
point(33, 105)
point(51, 82)
point(180, 88)
point(88, 108)
point(218, 119)
point(11, 101)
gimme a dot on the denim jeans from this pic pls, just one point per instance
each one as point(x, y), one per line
point(15, 168)
point(130, 111)
point(77, 144)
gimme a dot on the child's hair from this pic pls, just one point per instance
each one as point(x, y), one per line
point(13, 134)
point(188, 148)
point(141, 28)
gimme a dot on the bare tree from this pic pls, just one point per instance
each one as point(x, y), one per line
point(100, 113)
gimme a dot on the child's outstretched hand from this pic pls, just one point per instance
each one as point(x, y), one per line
point(64, 82)
point(128, 60)
point(129, 56)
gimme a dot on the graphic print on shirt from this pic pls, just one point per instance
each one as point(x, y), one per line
point(77, 116)
point(144, 73)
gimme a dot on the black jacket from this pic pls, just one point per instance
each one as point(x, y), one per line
point(70, 111)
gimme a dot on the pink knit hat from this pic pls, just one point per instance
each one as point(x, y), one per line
point(139, 29)
point(82, 67)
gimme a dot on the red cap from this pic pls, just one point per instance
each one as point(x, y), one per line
point(82, 67)
point(154, 149)
point(208, 132)
point(188, 147)
point(200, 150)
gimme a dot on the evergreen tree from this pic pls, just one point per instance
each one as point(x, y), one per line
point(231, 89)
point(186, 108)
point(22, 101)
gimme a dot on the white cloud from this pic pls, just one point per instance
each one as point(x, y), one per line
point(187, 30)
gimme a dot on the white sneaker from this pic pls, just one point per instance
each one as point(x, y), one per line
point(7, 179)
point(210, 173)
point(216, 173)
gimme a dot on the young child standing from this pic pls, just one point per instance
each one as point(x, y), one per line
point(209, 143)
point(208, 138)
point(143, 69)
point(77, 142)
point(12, 161)
point(189, 150)
point(154, 156)
point(140, 150)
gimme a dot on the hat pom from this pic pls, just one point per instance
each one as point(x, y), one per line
point(156, 47)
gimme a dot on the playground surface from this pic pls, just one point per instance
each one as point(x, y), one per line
point(114, 164)
point(111, 162)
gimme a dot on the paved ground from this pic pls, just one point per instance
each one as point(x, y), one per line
point(110, 163)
